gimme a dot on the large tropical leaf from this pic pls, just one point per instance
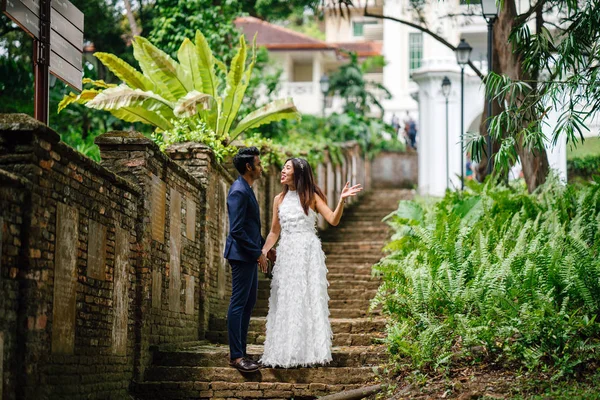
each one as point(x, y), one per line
point(206, 66)
point(188, 105)
point(242, 87)
point(140, 114)
point(188, 58)
point(165, 72)
point(124, 71)
point(99, 83)
point(274, 111)
point(124, 96)
point(234, 82)
point(82, 98)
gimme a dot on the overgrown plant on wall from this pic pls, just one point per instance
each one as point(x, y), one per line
point(496, 275)
point(197, 89)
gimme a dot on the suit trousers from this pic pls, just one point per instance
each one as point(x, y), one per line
point(244, 289)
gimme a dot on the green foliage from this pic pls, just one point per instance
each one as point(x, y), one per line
point(494, 274)
point(197, 88)
point(349, 83)
point(583, 167)
point(589, 147)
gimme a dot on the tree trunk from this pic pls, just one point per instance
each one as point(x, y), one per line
point(132, 24)
point(506, 61)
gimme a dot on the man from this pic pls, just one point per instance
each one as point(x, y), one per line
point(243, 250)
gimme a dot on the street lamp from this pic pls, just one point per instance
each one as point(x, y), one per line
point(324, 82)
point(463, 56)
point(446, 84)
point(489, 9)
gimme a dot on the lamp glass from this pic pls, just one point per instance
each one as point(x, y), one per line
point(463, 52)
point(489, 9)
point(324, 82)
point(446, 84)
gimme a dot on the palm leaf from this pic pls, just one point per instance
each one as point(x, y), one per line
point(124, 96)
point(82, 98)
point(206, 66)
point(187, 106)
point(99, 83)
point(274, 111)
point(165, 72)
point(124, 71)
point(234, 82)
point(141, 114)
point(188, 58)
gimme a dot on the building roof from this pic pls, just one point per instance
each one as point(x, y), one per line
point(362, 49)
point(275, 37)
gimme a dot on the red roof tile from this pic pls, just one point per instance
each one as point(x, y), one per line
point(275, 37)
point(362, 49)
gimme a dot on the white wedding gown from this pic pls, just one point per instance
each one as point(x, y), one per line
point(298, 328)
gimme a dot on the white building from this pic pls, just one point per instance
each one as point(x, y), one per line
point(416, 65)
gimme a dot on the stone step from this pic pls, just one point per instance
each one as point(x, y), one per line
point(217, 355)
point(346, 331)
point(333, 312)
point(333, 303)
point(335, 294)
point(325, 375)
point(245, 390)
point(338, 325)
point(357, 284)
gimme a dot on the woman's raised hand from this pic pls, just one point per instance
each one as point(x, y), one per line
point(350, 191)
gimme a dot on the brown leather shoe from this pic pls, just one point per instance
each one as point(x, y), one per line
point(244, 365)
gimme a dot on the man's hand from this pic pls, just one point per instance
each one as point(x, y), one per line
point(262, 263)
point(272, 255)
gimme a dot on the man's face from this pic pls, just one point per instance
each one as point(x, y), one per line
point(257, 172)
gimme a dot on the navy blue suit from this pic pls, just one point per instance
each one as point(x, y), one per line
point(242, 249)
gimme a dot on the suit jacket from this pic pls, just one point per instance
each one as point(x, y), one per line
point(244, 242)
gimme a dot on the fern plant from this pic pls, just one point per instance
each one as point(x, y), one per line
point(495, 273)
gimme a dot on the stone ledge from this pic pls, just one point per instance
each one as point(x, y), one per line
point(19, 123)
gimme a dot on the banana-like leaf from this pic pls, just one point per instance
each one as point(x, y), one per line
point(188, 58)
point(188, 105)
point(234, 81)
point(169, 71)
point(124, 71)
point(222, 67)
point(99, 83)
point(140, 114)
point(124, 96)
point(146, 65)
point(242, 87)
point(274, 111)
point(206, 66)
point(82, 98)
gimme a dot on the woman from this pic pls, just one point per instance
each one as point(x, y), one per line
point(298, 329)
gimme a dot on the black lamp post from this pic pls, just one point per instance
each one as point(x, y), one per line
point(489, 9)
point(463, 55)
point(446, 84)
point(324, 82)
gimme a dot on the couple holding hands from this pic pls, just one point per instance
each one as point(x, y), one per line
point(298, 332)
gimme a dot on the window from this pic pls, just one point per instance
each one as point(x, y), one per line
point(359, 27)
point(415, 50)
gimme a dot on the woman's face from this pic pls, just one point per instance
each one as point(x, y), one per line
point(287, 173)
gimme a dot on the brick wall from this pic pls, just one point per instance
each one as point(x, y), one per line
point(76, 274)
point(14, 197)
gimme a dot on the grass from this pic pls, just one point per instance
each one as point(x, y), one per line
point(590, 147)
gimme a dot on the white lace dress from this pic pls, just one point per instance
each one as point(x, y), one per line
point(298, 328)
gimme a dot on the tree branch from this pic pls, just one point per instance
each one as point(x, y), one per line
point(424, 30)
point(525, 16)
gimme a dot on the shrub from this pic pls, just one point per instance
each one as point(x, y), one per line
point(495, 274)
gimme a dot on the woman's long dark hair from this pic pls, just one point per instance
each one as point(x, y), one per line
point(304, 182)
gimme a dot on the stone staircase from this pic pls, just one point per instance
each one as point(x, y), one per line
point(200, 370)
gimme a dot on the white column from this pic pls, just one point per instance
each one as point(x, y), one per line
point(431, 134)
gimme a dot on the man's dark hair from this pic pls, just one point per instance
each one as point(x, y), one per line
point(243, 157)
